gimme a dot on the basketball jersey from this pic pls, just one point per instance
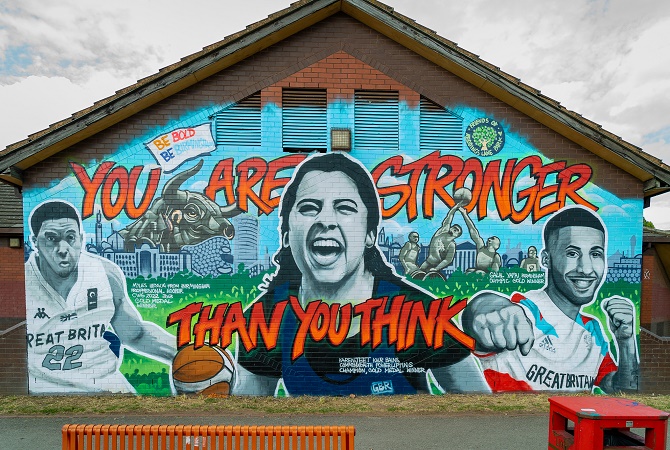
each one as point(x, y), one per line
point(71, 344)
point(568, 355)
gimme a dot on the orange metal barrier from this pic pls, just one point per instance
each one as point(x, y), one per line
point(207, 437)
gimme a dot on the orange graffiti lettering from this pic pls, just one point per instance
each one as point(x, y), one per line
point(401, 331)
point(338, 333)
point(553, 184)
point(366, 310)
point(222, 179)
point(272, 182)
point(211, 325)
point(425, 320)
point(90, 185)
point(112, 207)
point(492, 182)
point(251, 172)
point(304, 316)
point(269, 331)
point(117, 189)
point(388, 320)
point(394, 165)
point(436, 185)
point(443, 324)
point(182, 318)
point(162, 142)
point(235, 322)
point(319, 321)
point(226, 320)
point(134, 212)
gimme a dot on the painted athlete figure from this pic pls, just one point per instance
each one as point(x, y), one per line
point(442, 247)
point(540, 340)
point(487, 259)
point(531, 263)
point(409, 253)
point(329, 255)
point(78, 311)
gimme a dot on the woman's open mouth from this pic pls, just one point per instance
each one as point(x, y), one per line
point(325, 251)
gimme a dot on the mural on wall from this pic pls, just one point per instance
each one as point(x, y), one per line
point(340, 319)
point(181, 264)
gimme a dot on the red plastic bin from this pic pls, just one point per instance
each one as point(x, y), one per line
point(596, 417)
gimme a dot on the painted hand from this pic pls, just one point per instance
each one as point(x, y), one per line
point(503, 328)
point(621, 314)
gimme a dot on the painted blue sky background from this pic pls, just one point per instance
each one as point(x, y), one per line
point(620, 215)
point(609, 60)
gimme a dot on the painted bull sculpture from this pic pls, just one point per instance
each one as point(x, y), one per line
point(180, 217)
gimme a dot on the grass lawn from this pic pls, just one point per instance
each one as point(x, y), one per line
point(368, 405)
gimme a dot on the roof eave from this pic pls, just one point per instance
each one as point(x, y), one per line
point(11, 231)
point(257, 37)
point(278, 26)
point(510, 90)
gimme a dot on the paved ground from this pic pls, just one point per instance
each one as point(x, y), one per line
point(378, 433)
point(461, 432)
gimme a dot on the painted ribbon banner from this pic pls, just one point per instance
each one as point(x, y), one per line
point(173, 149)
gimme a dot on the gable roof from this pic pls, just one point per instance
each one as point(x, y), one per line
point(191, 69)
point(653, 235)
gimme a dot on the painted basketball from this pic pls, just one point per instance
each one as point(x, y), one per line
point(195, 370)
point(463, 195)
point(221, 388)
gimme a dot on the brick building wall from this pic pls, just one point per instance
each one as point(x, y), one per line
point(13, 370)
point(655, 313)
point(13, 292)
point(654, 363)
point(341, 56)
point(655, 320)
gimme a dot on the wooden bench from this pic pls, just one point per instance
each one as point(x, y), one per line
point(207, 437)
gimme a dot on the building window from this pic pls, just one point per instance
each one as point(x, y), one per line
point(240, 124)
point(439, 128)
point(376, 124)
point(304, 120)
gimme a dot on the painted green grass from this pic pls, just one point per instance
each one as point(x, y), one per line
point(148, 376)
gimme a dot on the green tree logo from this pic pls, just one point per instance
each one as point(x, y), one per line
point(485, 137)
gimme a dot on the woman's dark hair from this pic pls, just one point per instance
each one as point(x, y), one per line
point(373, 259)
